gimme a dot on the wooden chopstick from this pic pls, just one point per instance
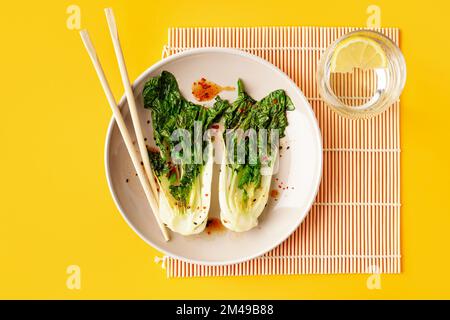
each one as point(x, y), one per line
point(143, 178)
point(130, 97)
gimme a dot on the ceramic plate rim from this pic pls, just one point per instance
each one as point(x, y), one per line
point(187, 53)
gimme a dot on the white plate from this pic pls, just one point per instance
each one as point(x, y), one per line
point(300, 166)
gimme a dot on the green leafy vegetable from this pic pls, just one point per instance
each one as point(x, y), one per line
point(244, 114)
point(171, 111)
point(243, 189)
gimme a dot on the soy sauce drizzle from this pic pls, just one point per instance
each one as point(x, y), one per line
point(205, 90)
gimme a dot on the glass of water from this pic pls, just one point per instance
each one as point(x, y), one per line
point(361, 74)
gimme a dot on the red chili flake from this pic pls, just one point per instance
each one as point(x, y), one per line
point(203, 208)
point(206, 194)
point(215, 126)
point(279, 186)
point(276, 179)
point(275, 101)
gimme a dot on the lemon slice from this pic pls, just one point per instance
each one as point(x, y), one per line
point(358, 52)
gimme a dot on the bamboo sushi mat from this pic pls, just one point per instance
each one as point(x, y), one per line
point(354, 224)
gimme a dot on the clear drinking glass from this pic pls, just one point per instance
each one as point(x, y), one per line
point(362, 93)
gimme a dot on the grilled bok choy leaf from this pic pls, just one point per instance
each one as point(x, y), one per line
point(244, 185)
point(184, 179)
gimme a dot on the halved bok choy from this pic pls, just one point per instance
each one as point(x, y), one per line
point(184, 176)
point(244, 183)
point(184, 215)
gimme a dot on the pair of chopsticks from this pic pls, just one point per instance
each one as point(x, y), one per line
point(146, 178)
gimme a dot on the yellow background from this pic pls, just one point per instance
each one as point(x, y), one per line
point(55, 206)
